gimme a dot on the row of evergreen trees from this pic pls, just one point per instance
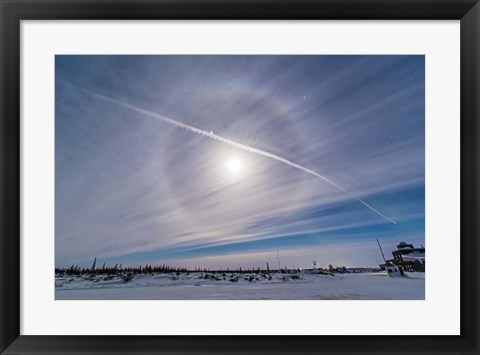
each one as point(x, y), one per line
point(75, 270)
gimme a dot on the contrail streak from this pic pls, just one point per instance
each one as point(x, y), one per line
point(237, 145)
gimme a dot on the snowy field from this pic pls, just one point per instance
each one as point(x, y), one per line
point(231, 286)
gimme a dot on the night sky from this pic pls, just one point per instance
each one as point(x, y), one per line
point(197, 160)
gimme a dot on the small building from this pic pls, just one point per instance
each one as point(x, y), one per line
point(406, 255)
point(317, 270)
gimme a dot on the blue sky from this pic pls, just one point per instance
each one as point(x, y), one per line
point(134, 187)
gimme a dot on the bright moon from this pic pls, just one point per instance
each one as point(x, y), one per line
point(234, 166)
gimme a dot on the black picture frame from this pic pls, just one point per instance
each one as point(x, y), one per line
point(12, 12)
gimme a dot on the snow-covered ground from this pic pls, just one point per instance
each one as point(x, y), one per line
point(231, 286)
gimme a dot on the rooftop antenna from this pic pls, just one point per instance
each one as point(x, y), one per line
point(383, 255)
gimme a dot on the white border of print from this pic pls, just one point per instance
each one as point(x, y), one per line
point(438, 40)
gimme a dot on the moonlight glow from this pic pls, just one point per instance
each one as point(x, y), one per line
point(234, 166)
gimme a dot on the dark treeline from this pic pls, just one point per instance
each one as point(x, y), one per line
point(119, 269)
point(75, 270)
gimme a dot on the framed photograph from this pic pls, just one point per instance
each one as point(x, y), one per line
point(239, 177)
